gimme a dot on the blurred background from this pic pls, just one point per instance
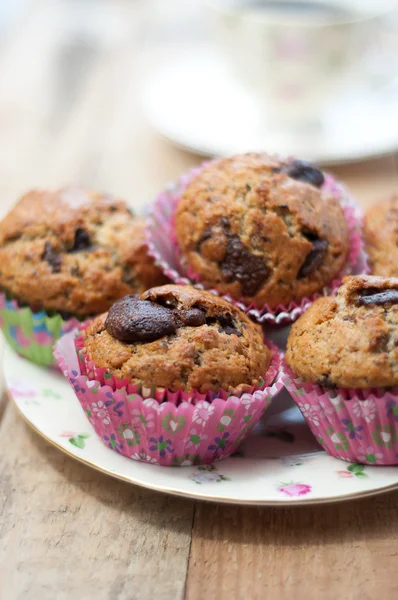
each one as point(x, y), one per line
point(124, 94)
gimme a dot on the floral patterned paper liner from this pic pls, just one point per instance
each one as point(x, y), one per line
point(32, 334)
point(163, 248)
point(360, 426)
point(163, 433)
point(90, 370)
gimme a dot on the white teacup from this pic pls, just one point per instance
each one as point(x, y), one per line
point(296, 54)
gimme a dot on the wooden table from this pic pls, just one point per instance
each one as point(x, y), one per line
point(70, 77)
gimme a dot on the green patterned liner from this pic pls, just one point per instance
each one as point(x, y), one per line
point(32, 334)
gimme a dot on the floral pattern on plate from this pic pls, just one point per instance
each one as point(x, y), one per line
point(295, 489)
point(275, 466)
point(208, 474)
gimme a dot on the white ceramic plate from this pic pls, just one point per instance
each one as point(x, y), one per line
point(196, 102)
point(280, 464)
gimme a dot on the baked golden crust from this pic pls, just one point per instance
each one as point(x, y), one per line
point(351, 340)
point(225, 351)
point(73, 251)
point(381, 237)
point(253, 227)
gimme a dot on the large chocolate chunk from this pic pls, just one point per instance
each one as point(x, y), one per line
point(241, 265)
point(134, 320)
point(53, 258)
point(374, 296)
point(303, 171)
point(314, 258)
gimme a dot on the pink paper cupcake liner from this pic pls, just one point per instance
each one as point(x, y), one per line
point(358, 426)
point(163, 248)
point(162, 429)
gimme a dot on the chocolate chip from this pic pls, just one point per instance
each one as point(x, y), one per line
point(379, 341)
point(75, 271)
point(133, 320)
point(315, 256)
point(241, 265)
point(82, 240)
point(303, 171)
point(227, 324)
point(53, 258)
point(225, 224)
point(208, 232)
point(197, 359)
point(230, 331)
point(184, 375)
point(373, 296)
point(194, 317)
point(206, 235)
point(225, 320)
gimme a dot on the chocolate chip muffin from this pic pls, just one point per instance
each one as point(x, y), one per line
point(179, 338)
point(381, 237)
point(260, 228)
point(74, 252)
point(351, 340)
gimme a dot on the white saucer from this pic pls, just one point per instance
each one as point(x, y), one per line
point(198, 104)
point(280, 464)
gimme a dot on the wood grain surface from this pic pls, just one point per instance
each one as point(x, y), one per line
point(70, 81)
point(69, 532)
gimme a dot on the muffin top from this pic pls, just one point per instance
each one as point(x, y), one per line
point(259, 228)
point(381, 237)
point(73, 251)
point(179, 338)
point(351, 340)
